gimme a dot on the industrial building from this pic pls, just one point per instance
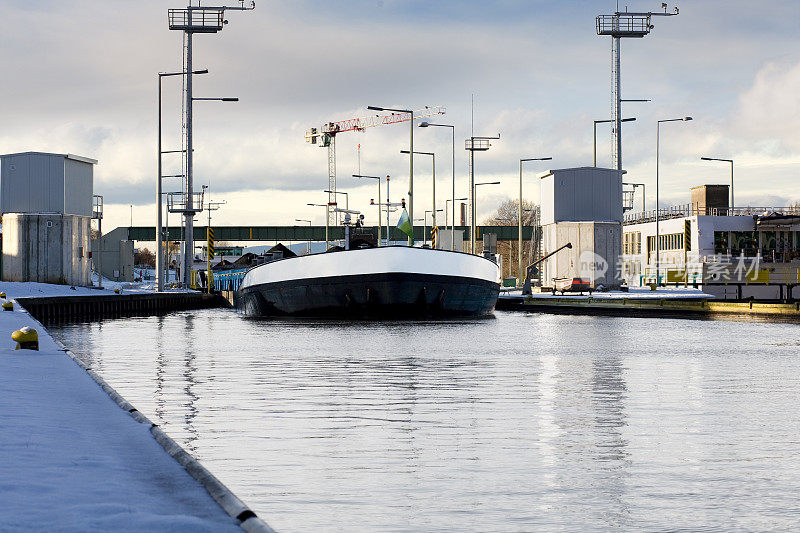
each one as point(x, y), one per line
point(730, 252)
point(46, 205)
point(583, 207)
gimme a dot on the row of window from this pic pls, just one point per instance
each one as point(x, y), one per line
point(751, 242)
point(632, 242)
point(673, 241)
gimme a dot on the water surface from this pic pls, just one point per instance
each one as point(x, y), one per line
point(518, 423)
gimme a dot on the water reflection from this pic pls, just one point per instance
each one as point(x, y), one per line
point(524, 422)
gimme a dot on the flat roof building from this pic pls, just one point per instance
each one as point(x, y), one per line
point(731, 252)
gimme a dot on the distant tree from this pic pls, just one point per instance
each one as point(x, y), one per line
point(507, 214)
point(144, 257)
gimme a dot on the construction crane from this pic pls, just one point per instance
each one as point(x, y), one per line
point(325, 137)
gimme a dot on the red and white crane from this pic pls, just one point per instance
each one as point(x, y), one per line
point(325, 137)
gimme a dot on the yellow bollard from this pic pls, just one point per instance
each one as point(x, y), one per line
point(8, 306)
point(116, 291)
point(27, 338)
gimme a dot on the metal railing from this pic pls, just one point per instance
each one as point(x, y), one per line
point(179, 202)
point(202, 20)
point(689, 210)
point(228, 280)
point(630, 25)
point(477, 145)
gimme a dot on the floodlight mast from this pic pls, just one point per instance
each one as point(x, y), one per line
point(191, 20)
point(623, 24)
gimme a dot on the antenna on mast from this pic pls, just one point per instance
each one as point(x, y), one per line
point(620, 25)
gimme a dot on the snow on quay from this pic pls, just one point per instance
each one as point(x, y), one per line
point(72, 460)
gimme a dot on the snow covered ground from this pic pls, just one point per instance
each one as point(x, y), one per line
point(19, 289)
point(72, 460)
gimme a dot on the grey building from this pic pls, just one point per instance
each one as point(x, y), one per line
point(46, 205)
point(117, 260)
point(37, 182)
point(582, 206)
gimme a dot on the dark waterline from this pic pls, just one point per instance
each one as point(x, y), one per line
point(517, 423)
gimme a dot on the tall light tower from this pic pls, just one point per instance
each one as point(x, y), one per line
point(472, 145)
point(191, 20)
point(623, 24)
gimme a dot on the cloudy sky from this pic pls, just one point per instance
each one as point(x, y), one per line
point(80, 77)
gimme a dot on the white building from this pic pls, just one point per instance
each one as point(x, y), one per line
point(732, 253)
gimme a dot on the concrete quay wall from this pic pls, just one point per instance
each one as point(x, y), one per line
point(80, 308)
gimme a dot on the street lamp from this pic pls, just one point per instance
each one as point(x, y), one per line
point(472, 236)
point(346, 202)
point(327, 240)
point(159, 230)
point(519, 272)
point(425, 222)
point(453, 221)
point(308, 244)
point(379, 206)
point(346, 198)
point(410, 166)
point(433, 159)
point(453, 200)
point(727, 161)
point(596, 122)
point(472, 145)
point(658, 234)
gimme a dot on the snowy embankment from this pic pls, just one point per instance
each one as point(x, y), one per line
point(72, 460)
point(20, 289)
point(633, 293)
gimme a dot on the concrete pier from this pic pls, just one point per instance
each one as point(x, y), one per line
point(92, 307)
point(656, 303)
point(78, 456)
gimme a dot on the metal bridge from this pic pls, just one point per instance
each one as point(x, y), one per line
point(314, 233)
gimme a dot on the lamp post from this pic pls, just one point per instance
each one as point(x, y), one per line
point(410, 166)
point(346, 198)
point(519, 238)
point(658, 217)
point(453, 228)
point(190, 209)
point(308, 243)
point(327, 241)
point(453, 220)
point(159, 235)
point(472, 236)
point(727, 161)
point(379, 205)
point(472, 145)
point(433, 159)
point(596, 122)
point(346, 201)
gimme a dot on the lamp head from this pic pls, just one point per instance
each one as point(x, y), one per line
point(687, 118)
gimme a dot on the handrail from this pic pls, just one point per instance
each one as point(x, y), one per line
point(689, 210)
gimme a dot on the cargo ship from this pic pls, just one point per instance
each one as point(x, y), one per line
point(372, 282)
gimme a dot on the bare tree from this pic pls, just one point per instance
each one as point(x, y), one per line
point(507, 214)
point(144, 257)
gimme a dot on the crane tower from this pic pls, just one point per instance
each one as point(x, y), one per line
point(325, 137)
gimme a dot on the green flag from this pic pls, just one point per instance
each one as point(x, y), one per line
point(404, 225)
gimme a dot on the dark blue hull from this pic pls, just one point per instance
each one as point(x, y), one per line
point(384, 295)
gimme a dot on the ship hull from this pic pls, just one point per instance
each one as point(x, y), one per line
point(372, 286)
